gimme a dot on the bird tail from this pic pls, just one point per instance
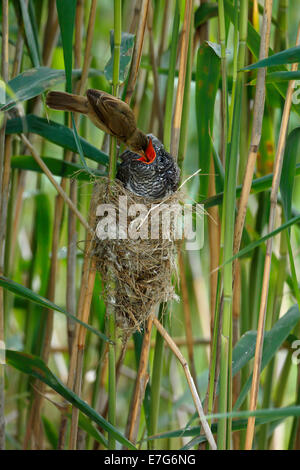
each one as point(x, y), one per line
point(67, 102)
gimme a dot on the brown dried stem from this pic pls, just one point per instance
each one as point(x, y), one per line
point(84, 316)
point(77, 337)
point(140, 385)
point(267, 267)
point(50, 34)
point(134, 13)
point(156, 106)
point(164, 31)
point(88, 48)
point(190, 381)
point(79, 24)
point(72, 232)
point(137, 51)
point(258, 111)
point(181, 77)
point(83, 305)
point(187, 316)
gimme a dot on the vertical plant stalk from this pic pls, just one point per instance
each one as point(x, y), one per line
point(88, 276)
point(77, 336)
point(71, 265)
point(187, 316)
point(221, 343)
point(18, 55)
point(34, 428)
point(50, 34)
point(273, 318)
point(156, 377)
point(283, 380)
point(281, 35)
point(203, 30)
point(222, 38)
point(82, 301)
point(4, 186)
point(171, 78)
point(181, 77)
point(186, 102)
point(134, 14)
point(201, 300)
point(258, 112)
point(215, 279)
point(269, 247)
point(40, 386)
point(164, 31)
point(294, 441)
point(255, 15)
point(214, 245)
point(234, 71)
point(21, 173)
point(156, 106)
point(36, 408)
point(140, 384)
point(137, 51)
point(227, 234)
point(174, 348)
point(119, 364)
point(49, 41)
point(72, 232)
point(85, 312)
point(112, 379)
point(88, 48)
point(111, 285)
point(79, 24)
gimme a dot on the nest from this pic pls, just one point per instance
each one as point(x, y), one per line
point(137, 273)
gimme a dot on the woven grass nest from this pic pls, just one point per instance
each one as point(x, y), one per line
point(143, 270)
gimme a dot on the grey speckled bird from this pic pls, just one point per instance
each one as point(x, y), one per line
point(152, 177)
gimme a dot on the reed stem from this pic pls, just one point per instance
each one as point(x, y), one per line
point(110, 311)
point(267, 265)
point(171, 78)
point(228, 224)
point(181, 77)
point(4, 188)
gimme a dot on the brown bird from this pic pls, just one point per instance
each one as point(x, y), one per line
point(109, 114)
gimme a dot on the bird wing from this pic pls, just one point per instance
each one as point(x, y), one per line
point(114, 114)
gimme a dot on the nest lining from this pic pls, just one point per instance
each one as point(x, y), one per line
point(142, 269)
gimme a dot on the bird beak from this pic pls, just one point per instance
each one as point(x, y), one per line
point(149, 155)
